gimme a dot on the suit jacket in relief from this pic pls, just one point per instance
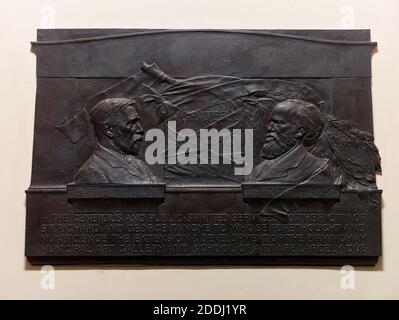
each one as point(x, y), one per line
point(297, 166)
point(107, 166)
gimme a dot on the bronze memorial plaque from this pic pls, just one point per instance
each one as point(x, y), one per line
point(204, 147)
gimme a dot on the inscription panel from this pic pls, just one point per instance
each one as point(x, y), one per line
point(345, 231)
point(341, 233)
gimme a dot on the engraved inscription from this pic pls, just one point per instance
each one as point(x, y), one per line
point(340, 233)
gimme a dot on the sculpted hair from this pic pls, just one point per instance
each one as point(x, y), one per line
point(106, 111)
point(307, 116)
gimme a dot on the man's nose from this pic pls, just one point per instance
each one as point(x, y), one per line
point(139, 129)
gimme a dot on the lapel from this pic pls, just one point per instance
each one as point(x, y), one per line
point(116, 160)
point(280, 167)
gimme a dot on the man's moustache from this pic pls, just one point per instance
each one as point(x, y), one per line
point(136, 139)
point(271, 136)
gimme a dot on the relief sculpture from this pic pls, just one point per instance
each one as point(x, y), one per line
point(119, 133)
point(265, 156)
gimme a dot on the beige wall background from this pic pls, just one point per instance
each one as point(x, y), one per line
point(18, 24)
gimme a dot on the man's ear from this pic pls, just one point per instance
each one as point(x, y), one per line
point(300, 133)
point(108, 132)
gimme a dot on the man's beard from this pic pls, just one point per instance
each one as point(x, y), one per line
point(132, 147)
point(276, 146)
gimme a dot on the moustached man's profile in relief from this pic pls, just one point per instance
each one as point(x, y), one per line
point(292, 126)
point(119, 133)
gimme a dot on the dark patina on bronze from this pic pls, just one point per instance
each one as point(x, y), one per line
point(311, 198)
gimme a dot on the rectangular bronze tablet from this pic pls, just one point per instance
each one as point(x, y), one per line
point(204, 147)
